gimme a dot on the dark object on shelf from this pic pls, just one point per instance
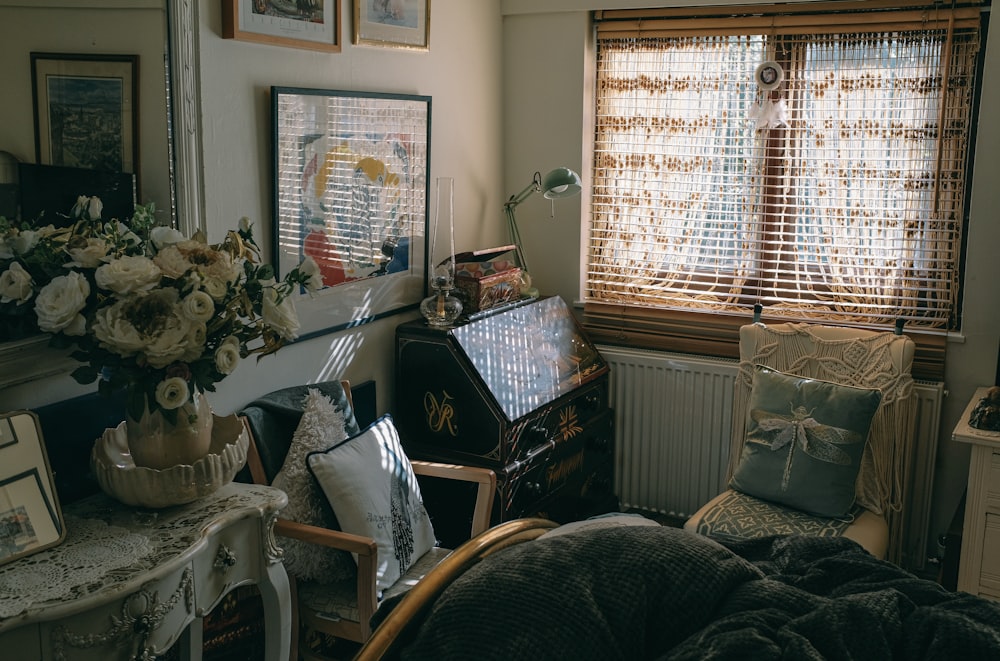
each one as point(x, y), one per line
point(48, 192)
point(523, 392)
point(986, 415)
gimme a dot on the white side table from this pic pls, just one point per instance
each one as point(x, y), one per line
point(979, 565)
point(128, 583)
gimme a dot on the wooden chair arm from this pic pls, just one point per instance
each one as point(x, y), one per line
point(405, 618)
point(485, 493)
point(334, 539)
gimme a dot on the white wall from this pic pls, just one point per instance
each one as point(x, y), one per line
point(538, 32)
point(460, 71)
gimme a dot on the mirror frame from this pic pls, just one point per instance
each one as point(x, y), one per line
point(31, 359)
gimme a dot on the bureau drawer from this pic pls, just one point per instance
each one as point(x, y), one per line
point(233, 560)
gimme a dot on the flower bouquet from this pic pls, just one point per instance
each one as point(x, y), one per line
point(146, 309)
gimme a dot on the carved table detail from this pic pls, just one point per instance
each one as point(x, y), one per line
point(127, 584)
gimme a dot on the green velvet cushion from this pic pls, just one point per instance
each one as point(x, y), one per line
point(804, 442)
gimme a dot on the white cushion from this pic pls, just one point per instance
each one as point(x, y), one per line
point(321, 426)
point(373, 491)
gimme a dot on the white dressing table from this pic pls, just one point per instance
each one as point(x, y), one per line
point(128, 583)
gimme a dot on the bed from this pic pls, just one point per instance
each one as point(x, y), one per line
point(654, 592)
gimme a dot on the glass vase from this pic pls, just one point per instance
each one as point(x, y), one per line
point(441, 308)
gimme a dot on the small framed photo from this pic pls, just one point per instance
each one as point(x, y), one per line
point(393, 23)
point(310, 24)
point(86, 111)
point(30, 517)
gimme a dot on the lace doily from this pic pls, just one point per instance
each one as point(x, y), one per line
point(91, 550)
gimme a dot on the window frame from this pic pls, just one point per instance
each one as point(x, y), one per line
point(716, 333)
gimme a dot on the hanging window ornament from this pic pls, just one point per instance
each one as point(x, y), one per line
point(769, 76)
point(768, 113)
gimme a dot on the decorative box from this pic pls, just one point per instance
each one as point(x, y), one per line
point(486, 279)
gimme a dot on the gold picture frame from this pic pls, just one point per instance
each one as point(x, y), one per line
point(393, 23)
point(30, 517)
point(284, 23)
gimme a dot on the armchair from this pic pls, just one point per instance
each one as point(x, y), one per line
point(850, 357)
point(341, 609)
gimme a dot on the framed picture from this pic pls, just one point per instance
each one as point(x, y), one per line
point(351, 191)
point(312, 24)
point(86, 111)
point(30, 518)
point(393, 23)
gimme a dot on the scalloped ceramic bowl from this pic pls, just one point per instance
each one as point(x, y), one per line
point(120, 478)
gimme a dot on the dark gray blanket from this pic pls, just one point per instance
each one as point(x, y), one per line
point(662, 593)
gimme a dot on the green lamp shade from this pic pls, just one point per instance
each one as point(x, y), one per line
point(561, 182)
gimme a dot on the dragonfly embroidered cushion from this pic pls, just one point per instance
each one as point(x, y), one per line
point(373, 491)
point(804, 442)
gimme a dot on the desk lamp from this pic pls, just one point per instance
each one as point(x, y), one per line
point(561, 182)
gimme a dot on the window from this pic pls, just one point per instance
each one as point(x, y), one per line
point(836, 195)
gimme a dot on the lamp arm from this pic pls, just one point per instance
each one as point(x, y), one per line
point(515, 236)
point(508, 209)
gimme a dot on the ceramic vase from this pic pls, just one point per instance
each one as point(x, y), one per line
point(155, 442)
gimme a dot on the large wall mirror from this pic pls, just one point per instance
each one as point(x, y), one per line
point(164, 36)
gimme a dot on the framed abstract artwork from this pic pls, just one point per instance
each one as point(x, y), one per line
point(314, 24)
point(30, 518)
point(86, 111)
point(393, 23)
point(351, 191)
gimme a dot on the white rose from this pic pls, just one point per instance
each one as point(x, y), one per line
point(310, 268)
point(198, 306)
point(172, 393)
point(172, 261)
point(245, 224)
point(127, 275)
point(127, 327)
point(227, 356)
point(280, 316)
point(163, 236)
point(94, 208)
point(15, 285)
point(25, 241)
point(115, 332)
point(90, 255)
point(6, 249)
point(60, 302)
point(172, 342)
point(194, 342)
point(215, 288)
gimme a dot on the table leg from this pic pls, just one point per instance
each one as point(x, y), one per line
point(276, 598)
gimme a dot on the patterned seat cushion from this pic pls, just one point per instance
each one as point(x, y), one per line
point(736, 515)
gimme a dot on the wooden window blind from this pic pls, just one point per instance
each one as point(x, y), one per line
point(837, 197)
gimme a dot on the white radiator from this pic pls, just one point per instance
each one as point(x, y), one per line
point(673, 420)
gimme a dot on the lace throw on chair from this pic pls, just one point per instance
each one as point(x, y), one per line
point(846, 356)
